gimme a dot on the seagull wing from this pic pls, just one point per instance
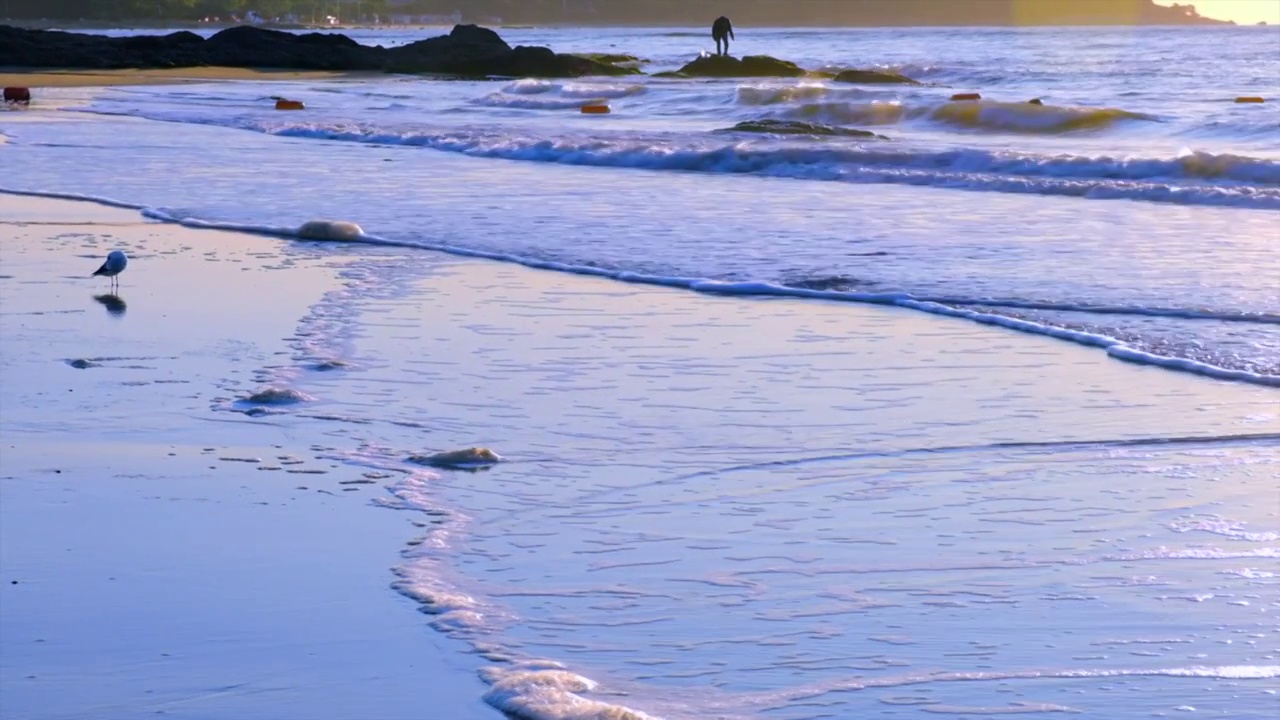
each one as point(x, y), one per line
point(102, 270)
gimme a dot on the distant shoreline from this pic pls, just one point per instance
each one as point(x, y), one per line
point(176, 25)
point(80, 77)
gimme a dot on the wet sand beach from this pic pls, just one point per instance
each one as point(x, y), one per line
point(937, 407)
point(689, 484)
point(157, 557)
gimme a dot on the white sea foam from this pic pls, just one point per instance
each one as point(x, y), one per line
point(1187, 180)
point(536, 102)
point(588, 90)
point(975, 115)
point(785, 94)
point(1217, 525)
point(1194, 553)
point(939, 305)
point(531, 86)
point(547, 691)
point(1228, 672)
point(1251, 573)
point(277, 396)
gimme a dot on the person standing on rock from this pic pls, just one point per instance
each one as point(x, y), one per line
point(722, 30)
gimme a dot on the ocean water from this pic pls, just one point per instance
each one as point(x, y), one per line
point(1132, 211)
point(805, 558)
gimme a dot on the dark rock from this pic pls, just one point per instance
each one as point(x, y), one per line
point(476, 51)
point(468, 50)
point(873, 76)
point(796, 127)
point(477, 35)
point(611, 58)
point(749, 66)
point(248, 46)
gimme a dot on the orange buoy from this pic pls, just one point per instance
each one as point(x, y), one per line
point(17, 95)
point(1249, 99)
point(966, 96)
point(595, 109)
point(283, 104)
point(1035, 101)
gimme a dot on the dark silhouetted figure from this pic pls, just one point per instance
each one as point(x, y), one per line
point(722, 30)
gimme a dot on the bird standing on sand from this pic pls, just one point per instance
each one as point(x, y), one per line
point(115, 264)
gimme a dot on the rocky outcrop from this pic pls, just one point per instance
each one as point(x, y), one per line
point(474, 50)
point(726, 66)
point(248, 46)
point(796, 127)
point(613, 58)
point(468, 50)
point(872, 77)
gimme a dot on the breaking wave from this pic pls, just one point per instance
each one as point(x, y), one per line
point(754, 95)
point(989, 115)
point(972, 309)
point(1190, 179)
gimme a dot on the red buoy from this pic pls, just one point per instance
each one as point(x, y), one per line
point(17, 95)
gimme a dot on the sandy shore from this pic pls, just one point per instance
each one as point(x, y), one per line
point(729, 466)
point(157, 557)
point(42, 77)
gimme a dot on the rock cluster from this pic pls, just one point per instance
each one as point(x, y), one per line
point(468, 50)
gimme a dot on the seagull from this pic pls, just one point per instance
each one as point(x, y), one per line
point(115, 264)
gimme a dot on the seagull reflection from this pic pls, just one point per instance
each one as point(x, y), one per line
point(114, 304)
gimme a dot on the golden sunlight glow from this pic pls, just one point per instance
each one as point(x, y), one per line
point(1030, 13)
point(1243, 12)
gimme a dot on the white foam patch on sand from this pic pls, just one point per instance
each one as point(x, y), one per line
point(453, 610)
point(422, 578)
point(540, 690)
point(1018, 708)
point(1193, 553)
point(1226, 672)
point(278, 396)
point(530, 689)
point(1218, 525)
point(1250, 573)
